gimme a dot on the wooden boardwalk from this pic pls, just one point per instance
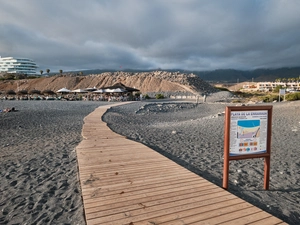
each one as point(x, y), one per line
point(125, 182)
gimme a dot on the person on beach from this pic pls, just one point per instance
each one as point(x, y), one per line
point(9, 110)
point(204, 98)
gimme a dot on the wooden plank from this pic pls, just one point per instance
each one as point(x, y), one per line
point(125, 182)
point(163, 209)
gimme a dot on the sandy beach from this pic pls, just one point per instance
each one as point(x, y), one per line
point(38, 169)
point(193, 136)
point(39, 179)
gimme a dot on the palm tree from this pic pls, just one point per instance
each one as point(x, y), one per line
point(278, 80)
point(48, 70)
point(41, 71)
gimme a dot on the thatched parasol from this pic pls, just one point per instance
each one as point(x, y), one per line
point(90, 89)
point(48, 92)
point(22, 92)
point(37, 92)
point(11, 92)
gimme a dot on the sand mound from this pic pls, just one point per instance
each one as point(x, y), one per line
point(157, 81)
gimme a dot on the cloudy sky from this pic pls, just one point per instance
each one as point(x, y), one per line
point(150, 34)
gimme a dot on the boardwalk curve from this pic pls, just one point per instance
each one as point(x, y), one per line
point(125, 182)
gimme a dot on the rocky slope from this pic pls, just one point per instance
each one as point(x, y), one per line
point(146, 82)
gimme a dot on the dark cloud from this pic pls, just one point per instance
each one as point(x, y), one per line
point(141, 34)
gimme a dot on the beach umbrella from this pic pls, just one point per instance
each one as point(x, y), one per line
point(10, 92)
point(37, 92)
point(79, 91)
point(115, 90)
point(22, 92)
point(49, 92)
point(63, 90)
point(90, 89)
point(121, 86)
point(100, 91)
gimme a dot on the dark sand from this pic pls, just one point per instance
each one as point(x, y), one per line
point(39, 176)
point(193, 136)
point(38, 165)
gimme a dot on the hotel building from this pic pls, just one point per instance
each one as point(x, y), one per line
point(17, 65)
point(269, 86)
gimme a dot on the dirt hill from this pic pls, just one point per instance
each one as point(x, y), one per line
point(146, 82)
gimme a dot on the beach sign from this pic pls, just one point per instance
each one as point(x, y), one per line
point(250, 129)
point(247, 135)
point(281, 92)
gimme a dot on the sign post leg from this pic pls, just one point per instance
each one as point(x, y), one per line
point(225, 173)
point(267, 173)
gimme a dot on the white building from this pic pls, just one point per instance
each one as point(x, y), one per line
point(269, 86)
point(17, 65)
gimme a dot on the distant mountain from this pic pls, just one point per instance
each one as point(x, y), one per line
point(224, 75)
point(258, 75)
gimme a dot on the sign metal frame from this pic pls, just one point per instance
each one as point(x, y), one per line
point(266, 155)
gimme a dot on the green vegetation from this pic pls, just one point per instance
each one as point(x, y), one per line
point(277, 88)
point(159, 96)
point(32, 77)
point(271, 98)
point(292, 96)
point(12, 76)
point(146, 96)
point(263, 96)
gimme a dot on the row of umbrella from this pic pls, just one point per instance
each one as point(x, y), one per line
point(25, 92)
point(116, 88)
point(106, 90)
point(64, 91)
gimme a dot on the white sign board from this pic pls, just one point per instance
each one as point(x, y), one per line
point(282, 91)
point(248, 132)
